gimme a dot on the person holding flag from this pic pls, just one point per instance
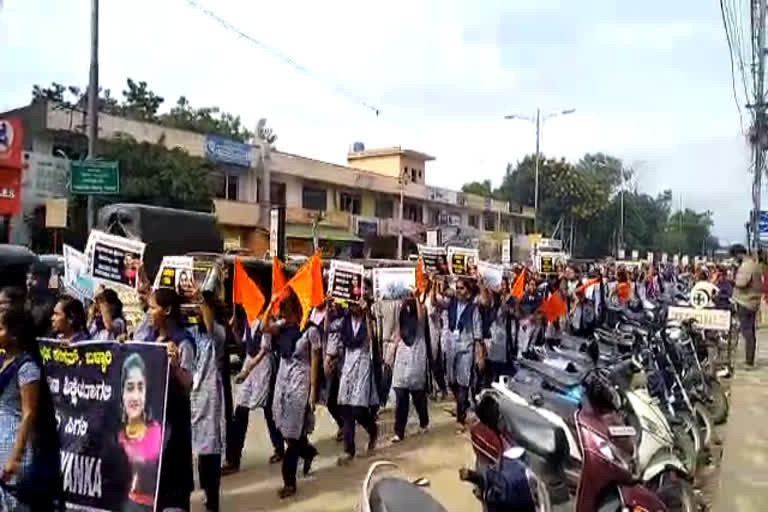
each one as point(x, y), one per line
point(499, 328)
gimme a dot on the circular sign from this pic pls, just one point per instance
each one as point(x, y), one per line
point(703, 294)
point(6, 136)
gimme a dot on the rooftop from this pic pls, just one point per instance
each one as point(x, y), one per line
point(390, 151)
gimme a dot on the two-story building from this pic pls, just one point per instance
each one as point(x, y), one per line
point(352, 209)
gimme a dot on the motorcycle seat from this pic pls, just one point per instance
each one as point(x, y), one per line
point(557, 377)
point(397, 495)
point(563, 406)
point(533, 432)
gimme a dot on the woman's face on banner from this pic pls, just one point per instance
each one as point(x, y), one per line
point(134, 394)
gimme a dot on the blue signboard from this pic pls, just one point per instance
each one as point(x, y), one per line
point(763, 225)
point(227, 151)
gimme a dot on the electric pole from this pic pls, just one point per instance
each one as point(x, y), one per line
point(759, 136)
point(536, 175)
point(93, 100)
point(403, 181)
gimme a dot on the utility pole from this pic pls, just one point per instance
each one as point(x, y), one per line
point(402, 182)
point(621, 211)
point(93, 99)
point(536, 175)
point(759, 142)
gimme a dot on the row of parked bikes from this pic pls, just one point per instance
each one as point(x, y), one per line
point(616, 422)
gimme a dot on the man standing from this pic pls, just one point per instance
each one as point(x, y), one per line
point(748, 289)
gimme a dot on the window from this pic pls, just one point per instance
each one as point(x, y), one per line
point(413, 175)
point(474, 221)
point(277, 193)
point(224, 185)
point(506, 224)
point(420, 173)
point(489, 221)
point(434, 216)
point(385, 208)
point(413, 212)
point(349, 203)
point(233, 184)
point(313, 198)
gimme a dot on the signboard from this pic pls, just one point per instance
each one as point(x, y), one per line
point(463, 261)
point(635, 255)
point(622, 254)
point(277, 233)
point(104, 394)
point(227, 151)
point(91, 177)
point(763, 225)
point(490, 273)
point(707, 318)
point(550, 244)
point(77, 279)
point(547, 264)
point(367, 229)
point(11, 139)
point(435, 259)
point(45, 176)
point(442, 195)
point(114, 259)
point(56, 213)
point(345, 280)
point(10, 191)
point(433, 237)
point(393, 283)
point(506, 250)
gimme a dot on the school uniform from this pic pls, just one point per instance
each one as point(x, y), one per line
point(462, 325)
point(386, 314)
point(437, 363)
point(499, 329)
point(529, 329)
point(409, 376)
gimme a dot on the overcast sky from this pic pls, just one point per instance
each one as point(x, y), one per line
point(650, 80)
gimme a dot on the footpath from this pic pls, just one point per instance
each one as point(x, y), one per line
point(743, 485)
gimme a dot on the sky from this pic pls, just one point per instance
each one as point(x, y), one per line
point(650, 81)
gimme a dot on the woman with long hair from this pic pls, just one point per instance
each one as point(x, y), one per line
point(176, 480)
point(29, 454)
point(69, 320)
point(107, 322)
point(140, 435)
point(296, 387)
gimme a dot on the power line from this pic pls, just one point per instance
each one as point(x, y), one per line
point(285, 58)
point(730, 55)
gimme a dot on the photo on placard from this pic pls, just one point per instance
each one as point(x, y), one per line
point(345, 281)
point(435, 259)
point(393, 283)
point(463, 261)
point(114, 259)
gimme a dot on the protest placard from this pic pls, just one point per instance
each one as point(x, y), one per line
point(463, 261)
point(114, 259)
point(77, 279)
point(435, 259)
point(345, 280)
point(491, 273)
point(393, 283)
point(109, 399)
point(177, 273)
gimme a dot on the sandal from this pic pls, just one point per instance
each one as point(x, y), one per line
point(286, 492)
point(275, 458)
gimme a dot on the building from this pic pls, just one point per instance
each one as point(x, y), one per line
point(352, 209)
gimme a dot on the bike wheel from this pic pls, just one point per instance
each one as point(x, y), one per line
point(704, 423)
point(677, 495)
point(717, 405)
point(685, 446)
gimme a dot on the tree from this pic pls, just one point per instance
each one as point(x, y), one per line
point(478, 188)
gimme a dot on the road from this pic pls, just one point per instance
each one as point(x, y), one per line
point(436, 455)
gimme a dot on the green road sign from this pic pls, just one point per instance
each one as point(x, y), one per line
point(95, 177)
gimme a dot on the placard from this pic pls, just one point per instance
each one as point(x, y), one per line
point(676, 260)
point(708, 318)
point(463, 261)
point(114, 259)
point(109, 399)
point(684, 260)
point(622, 254)
point(77, 279)
point(635, 255)
point(177, 273)
point(547, 264)
point(491, 273)
point(435, 259)
point(433, 238)
point(506, 250)
point(393, 283)
point(664, 258)
point(649, 258)
point(345, 280)
point(56, 212)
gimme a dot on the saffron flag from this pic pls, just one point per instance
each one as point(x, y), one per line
point(307, 284)
point(581, 290)
point(278, 283)
point(421, 282)
point(553, 308)
point(518, 289)
point(246, 293)
point(623, 291)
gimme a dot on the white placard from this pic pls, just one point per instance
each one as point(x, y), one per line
point(622, 254)
point(708, 318)
point(506, 251)
point(435, 259)
point(676, 260)
point(684, 260)
point(77, 279)
point(664, 258)
point(393, 283)
point(462, 261)
point(345, 280)
point(432, 238)
point(490, 273)
point(176, 272)
point(635, 255)
point(114, 259)
point(274, 223)
point(649, 258)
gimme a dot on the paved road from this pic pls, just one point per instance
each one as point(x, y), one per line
point(436, 456)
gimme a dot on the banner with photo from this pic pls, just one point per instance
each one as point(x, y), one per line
point(114, 259)
point(77, 279)
point(435, 259)
point(345, 280)
point(176, 273)
point(109, 399)
point(491, 273)
point(393, 283)
point(463, 261)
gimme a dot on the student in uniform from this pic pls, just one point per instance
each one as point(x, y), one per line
point(350, 337)
point(499, 327)
point(409, 376)
point(528, 330)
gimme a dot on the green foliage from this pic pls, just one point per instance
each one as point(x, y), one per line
point(478, 188)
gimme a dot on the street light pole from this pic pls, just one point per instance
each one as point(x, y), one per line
point(401, 182)
point(93, 98)
point(538, 120)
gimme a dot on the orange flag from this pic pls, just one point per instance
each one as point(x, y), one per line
point(583, 288)
point(246, 293)
point(421, 282)
point(307, 284)
point(553, 308)
point(278, 282)
point(623, 290)
point(518, 289)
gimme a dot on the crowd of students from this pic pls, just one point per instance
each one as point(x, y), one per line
point(453, 335)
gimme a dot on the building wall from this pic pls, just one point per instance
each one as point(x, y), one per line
point(388, 165)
